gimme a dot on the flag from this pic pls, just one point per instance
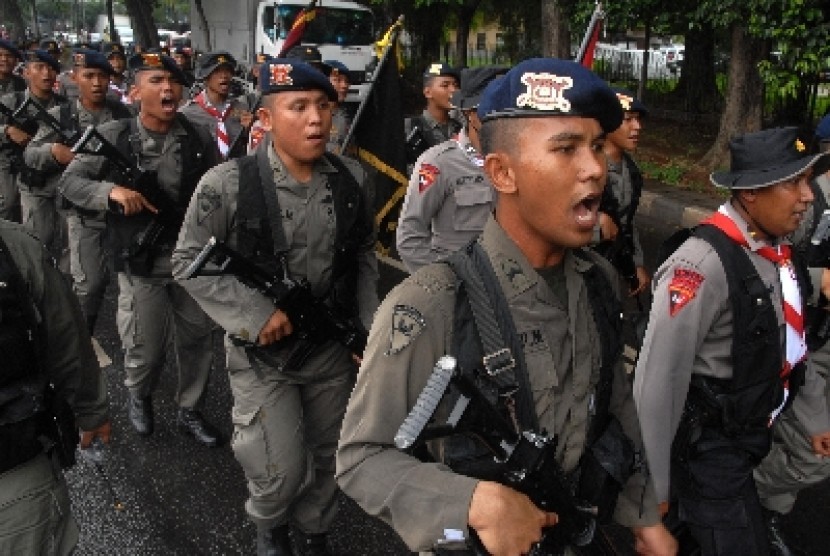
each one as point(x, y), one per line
point(585, 56)
point(295, 35)
point(378, 133)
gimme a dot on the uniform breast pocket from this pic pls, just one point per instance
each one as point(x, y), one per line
point(473, 202)
point(540, 366)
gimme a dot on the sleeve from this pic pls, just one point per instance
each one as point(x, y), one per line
point(689, 295)
point(8, 102)
point(423, 502)
point(69, 357)
point(81, 185)
point(638, 248)
point(810, 405)
point(425, 195)
point(38, 153)
point(241, 311)
point(367, 262)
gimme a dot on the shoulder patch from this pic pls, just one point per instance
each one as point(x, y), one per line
point(427, 174)
point(683, 288)
point(407, 324)
point(208, 200)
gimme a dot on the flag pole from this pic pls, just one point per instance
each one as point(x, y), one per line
point(586, 40)
point(393, 37)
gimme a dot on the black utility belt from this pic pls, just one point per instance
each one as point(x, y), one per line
point(18, 444)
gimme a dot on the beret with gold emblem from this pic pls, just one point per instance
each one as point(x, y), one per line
point(147, 61)
point(10, 47)
point(92, 59)
point(111, 49)
point(289, 74)
point(40, 55)
point(544, 87)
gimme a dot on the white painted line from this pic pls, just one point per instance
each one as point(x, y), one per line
point(103, 359)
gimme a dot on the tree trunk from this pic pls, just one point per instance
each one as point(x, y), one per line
point(35, 24)
point(641, 86)
point(113, 34)
point(556, 36)
point(13, 18)
point(144, 27)
point(744, 97)
point(465, 14)
point(697, 89)
point(200, 9)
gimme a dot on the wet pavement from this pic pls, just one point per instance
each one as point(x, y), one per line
point(181, 498)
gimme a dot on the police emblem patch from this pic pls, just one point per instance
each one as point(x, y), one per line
point(407, 324)
point(683, 288)
point(545, 91)
point(281, 74)
point(208, 201)
point(152, 60)
point(513, 272)
point(427, 174)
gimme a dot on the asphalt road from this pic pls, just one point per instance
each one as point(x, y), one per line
point(180, 498)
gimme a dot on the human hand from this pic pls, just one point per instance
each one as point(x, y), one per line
point(104, 431)
point(642, 281)
point(821, 444)
point(62, 154)
point(608, 230)
point(132, 201)
point(825, 283)
point(18, 135)
point(654, 540)
point(277, 327)
point(506, 521)
point(246, 119)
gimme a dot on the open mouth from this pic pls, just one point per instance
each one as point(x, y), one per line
point(586, 211)
point(168, 104)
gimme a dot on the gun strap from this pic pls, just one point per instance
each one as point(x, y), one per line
point(503, 358)
point(272, 203)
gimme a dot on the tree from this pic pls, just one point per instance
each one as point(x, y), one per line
point(464, 13)
point(697, 90)
point(113, 31)
point(13, 18)
point(556, 31)
point(144, 27)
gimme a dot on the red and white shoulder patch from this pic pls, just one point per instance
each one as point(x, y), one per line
point(427, 174)
point(683, 288)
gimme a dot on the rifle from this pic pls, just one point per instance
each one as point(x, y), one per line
point(65, 136)
point(169, 216)
point(527, 459)
point(313, 321)
point(19, 117)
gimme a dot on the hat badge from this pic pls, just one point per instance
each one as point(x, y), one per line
point(281, 74)
point(221, 60)
point(435, 69)
point(799, 146)
point(153, 60)
point(79, 59)
point(625, 101)
point(545, 91)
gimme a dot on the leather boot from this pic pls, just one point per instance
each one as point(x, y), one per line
point(191, 422)
point(140, 412)
point(778, 547)
point(273, 542)
point(312, 545)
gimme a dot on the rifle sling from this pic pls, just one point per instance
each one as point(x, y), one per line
point(272, 204)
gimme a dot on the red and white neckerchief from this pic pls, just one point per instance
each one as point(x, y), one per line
point(221, 131)
point(796, 341)
point(122, 93)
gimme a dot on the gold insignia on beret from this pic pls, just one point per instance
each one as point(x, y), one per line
point(625, 101)
point(799, 146)
point(260, 58)
point(79, 59)
point(281, 74)
point(435, 69)
point(116, 48)
point(152, 60)
point(545, 91)
point(221, 60)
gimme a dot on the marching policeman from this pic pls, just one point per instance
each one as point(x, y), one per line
point(119, 84)
point(725, 345)
point(449, 197)
point(43, 342)
point(342, 118)
point(229, 119)
point(49, 156)
point(560, 370)
point(300, 212)
point(153, 311)
point(9, 83)
point(438, 122)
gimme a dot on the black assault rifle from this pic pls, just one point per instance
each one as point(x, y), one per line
point(20, 117)
point(314, 322)
point(527, 460)
point(169, 216)
point(65, 136)
point(620, 250)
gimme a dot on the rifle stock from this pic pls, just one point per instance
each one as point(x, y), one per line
point(65, 136)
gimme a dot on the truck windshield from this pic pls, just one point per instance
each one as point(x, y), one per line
point(329, 26)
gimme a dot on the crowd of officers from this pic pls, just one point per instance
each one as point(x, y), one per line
point(518, 230)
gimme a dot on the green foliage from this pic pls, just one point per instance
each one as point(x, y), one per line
point(671, 174)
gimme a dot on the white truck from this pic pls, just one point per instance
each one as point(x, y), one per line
point(342, 30)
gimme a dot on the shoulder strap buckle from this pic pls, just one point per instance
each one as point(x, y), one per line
point(499, 362)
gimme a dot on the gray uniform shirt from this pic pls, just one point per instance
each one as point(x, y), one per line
point(340, 123)
point(198, 115)
point(447, 203)
point(308, 222)
point(427, 503)
point(38, 153)
point(9, 100)
point(696, 339)
point(619, 180)
point(435, 130)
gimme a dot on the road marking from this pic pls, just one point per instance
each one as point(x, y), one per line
point(103, 359)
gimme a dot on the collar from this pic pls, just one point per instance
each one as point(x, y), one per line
point(463, 142)
point(321, 165)
point(743, 226)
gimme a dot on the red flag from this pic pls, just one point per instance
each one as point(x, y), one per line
point(295, 35)
point(585, 56)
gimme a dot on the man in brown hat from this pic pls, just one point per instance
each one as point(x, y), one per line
point(725, 345)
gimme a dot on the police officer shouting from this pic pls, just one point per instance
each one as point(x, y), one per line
point(725, 344)
point(295, 210)
point(543, 154)
point(49, 156)
point(449, 197)
point(43, 342)
point(152, 309)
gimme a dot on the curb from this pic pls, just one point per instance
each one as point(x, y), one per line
point(674, 206)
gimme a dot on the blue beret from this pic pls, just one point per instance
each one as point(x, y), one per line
point(156, 61)
point(111, 49)
point(50, 44)
point(42, 56)
point(542, 87)
point(440, 69)
point(84, 58)
point(6, 45)
point(629, 102)
point(337, 65)
point(823, 128)
point(290, 74)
